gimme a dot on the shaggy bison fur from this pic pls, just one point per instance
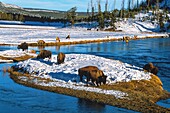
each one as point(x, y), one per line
point(151, 68)
point(92, 73)
point(23, 46)
point(41, 42)
point(44, 54)
point(60, 58)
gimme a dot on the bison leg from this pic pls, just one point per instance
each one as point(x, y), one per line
point(88, 79)
point(81, 78)
point(98, 82)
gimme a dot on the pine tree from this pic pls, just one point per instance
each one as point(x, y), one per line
point(71, 15)
point(113, 20)
point(106, 13)
point(129, 5)
point(123, 9)
point(100, 16)
point(92, 10)
point(161, 24)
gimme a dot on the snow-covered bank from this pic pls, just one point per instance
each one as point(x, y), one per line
point(9, 55)
point(66, 74)
point(15, 53)
point(17, 34)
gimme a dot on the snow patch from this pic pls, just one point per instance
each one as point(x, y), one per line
point(15, 53)
point(66, 74)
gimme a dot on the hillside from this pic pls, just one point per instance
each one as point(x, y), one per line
point(14, 9)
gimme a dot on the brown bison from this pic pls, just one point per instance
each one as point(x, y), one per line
point(23, 46)
point(41, 42)
point(60, 58)
point(92, 73)
point(126, 38)
point(154, 70)
point(57, 39)
point(44, 54)
point(151, 68)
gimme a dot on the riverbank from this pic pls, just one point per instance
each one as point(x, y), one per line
point(15, 56)
point(142, 99)
point(18, 34)
point(92, 40)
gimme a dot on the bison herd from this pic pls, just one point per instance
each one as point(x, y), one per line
point(151, 68)
point(92, 73)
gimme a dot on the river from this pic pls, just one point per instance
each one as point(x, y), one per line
point(18, 98)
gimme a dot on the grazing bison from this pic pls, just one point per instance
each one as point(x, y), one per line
point(85, 71)
point(148, 67)
point(23, 46)
point(92, 73)
point(57, 39)
point(44, 54)
point(41, 42)
point(68, 37)
point(151, 68)
point(154, 70)
point(126, 38)
point(60, 58)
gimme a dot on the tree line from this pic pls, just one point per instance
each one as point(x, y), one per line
point(23, 18)
point(104, 18)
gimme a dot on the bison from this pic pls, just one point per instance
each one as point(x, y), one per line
point(60, 58)
point(41, 42)
point(57, 39)
point(126, 38)
point(23, 46)
point(148, 67)
point(92, 73)
point(154, 70)
point(151, 68)
point(44, 54)
point(68, 37)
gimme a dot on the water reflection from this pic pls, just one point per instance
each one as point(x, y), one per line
point(90, 106)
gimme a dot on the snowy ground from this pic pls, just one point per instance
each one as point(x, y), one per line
point(66, 74)
point(14, 54)
point(16, 34)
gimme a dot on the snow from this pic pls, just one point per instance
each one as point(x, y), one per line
point(15, 53)
point(10, 5)
point(5, 61)
point(17, 34)
point(115, 70)
point(66, 74)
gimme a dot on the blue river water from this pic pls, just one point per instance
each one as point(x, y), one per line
point(18, 98)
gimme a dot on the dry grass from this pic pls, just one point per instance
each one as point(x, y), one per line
point(89, 41)
point(17, 59)
point(142, 95)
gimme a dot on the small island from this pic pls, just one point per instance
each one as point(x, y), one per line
point(127, 86)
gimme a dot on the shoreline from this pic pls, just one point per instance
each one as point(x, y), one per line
point(137, 100)
point(92, 40)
